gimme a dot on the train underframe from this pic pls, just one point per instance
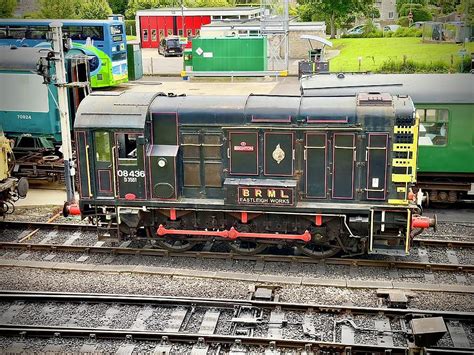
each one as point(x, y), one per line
point(446, 189)
point(322, 235)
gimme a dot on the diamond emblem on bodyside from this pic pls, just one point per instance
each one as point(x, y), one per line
point(278, 154)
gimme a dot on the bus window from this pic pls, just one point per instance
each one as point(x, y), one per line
point(145, 35)
point(37, 32)
point(74, 32)
point(3, 32)
point(433, 126)
point(16, 32)
point(94, 32)
point(116, 30)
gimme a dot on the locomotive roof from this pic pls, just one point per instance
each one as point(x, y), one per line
point(258, 108)
point(423, 88)
point(114, 110)
point(21, 58)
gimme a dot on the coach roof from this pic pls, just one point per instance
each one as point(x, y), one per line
point(423, 88)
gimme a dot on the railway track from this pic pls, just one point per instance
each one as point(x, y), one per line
point(431, 240)
point(233, 326)
point(24, 244)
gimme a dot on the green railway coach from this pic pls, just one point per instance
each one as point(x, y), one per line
point(444, 103)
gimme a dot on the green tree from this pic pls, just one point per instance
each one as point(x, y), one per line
point(7, 7)
point(95, 9)
point(466, 7)
point(118, 6)
point(135, 5)
point(334, 12)
point(400, 3)
point(60, 9)
point(419, 12)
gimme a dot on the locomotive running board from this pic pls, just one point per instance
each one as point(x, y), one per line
point(233, 234)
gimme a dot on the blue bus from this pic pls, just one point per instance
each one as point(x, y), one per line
point(104, 41)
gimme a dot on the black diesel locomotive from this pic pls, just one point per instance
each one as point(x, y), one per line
point(325, 174)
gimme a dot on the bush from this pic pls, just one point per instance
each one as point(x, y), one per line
point(410, 67)
point(372, 34)
point(403, 21)
point(407, 32)
point(130, 27)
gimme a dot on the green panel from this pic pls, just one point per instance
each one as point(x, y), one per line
point(315, 179)
point(376, 166)
point(243, 148)
point(165, 129)
point(229, 54)
point(134, 58)
point(163, 178)
point(457, 155)
point(81, 144)
point(278, 154)
point(343, 166)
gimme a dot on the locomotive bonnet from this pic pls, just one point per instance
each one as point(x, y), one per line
point(324, 174)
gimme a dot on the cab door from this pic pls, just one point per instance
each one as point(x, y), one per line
point(130, 165)
point(104, 165)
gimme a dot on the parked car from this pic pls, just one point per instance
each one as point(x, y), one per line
point(170, 46)
point(357, 30)
point(391, 28)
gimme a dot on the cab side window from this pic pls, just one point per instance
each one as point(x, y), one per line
point(127, 148)
point(433, 126)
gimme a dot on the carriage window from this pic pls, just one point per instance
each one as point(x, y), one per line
point(102, 146)
point(127, 147)
point(433, 126)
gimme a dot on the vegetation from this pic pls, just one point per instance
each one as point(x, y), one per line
point(7, 7)
point(58, 9)
point(383, 53)
point(135, 5)
point(334, 12)
point(94, 9)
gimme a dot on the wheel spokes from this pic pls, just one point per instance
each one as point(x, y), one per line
point(319, 251)
point(247, 247)
point(175, 244)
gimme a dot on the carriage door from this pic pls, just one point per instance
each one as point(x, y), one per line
point(130, 166)
point(104, 164)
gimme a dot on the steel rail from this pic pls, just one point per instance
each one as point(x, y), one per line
point(188, 338)
point(229, 256)
point(130, 299)
point(199, 338)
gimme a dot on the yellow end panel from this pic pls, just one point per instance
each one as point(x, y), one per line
point(5, 155)
point(402, 178)
point(397, 202)
point(407, 161)
point(407, 241)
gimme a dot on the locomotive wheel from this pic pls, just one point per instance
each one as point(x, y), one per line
point(319, 251)
point(247, 247)
point(175, 244)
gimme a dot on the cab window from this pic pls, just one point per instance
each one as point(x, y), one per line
point(102, 146)
point(433, 126)
point(127, 148)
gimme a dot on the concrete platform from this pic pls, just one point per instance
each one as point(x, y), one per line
point(43, 197)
